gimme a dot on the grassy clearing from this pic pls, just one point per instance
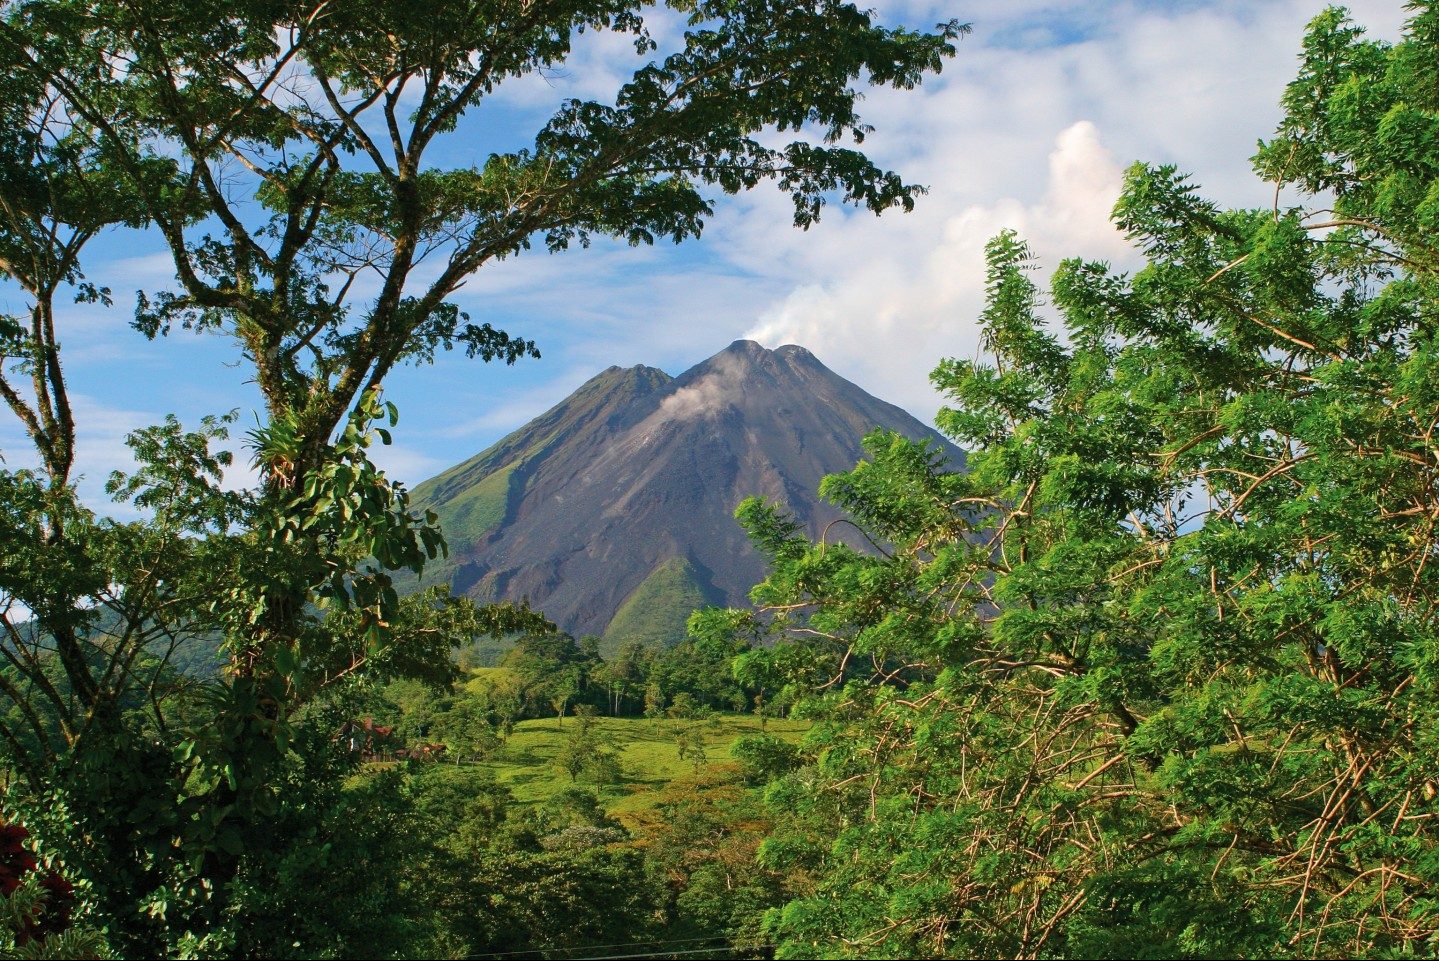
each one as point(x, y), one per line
point(484, 679)
point(645, 746)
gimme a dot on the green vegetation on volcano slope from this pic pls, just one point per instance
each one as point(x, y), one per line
point(655, 612)
point(645, 747)
point(465, 517)
point(479, 509)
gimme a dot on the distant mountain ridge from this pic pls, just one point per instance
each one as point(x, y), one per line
point(612, 512)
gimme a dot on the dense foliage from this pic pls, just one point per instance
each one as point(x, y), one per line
point(1159, 676)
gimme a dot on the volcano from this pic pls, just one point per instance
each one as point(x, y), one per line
point(612, 512)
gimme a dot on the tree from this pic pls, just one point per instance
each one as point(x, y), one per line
point(464, 808)
point(586, 751)
point(135, 788)
point(1156, 676)
point(568, 898)
point(550, 669)
point(466, 729)
point(624, 674)
point(763, 758)
point(690, 745)
point(689, 722)
point(700, 836)
point(699, 668)
point(91, 611)
point(562, 691)
point(654, 699)
point(506, 701)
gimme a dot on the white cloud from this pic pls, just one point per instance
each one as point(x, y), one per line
point(899, 307)
point(152, 271)
point(601, 61)
point(404, 462)
point(521, 406)
point(99, 448)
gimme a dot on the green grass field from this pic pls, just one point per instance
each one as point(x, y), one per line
point(645, 747)
point(481, 679)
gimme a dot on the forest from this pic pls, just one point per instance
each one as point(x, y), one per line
point(1155, 676)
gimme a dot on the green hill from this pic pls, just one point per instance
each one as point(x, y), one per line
point(655, 612)
point(479, 509)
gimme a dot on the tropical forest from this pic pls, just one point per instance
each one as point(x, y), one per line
point(364, 593)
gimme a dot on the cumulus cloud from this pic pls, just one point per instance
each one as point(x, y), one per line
point(898, 307)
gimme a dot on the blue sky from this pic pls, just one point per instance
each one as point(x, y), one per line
point(1028, 127)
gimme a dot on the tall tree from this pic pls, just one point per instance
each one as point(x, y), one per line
point(95, 610)
point(92, 610)
point(1157, 676)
